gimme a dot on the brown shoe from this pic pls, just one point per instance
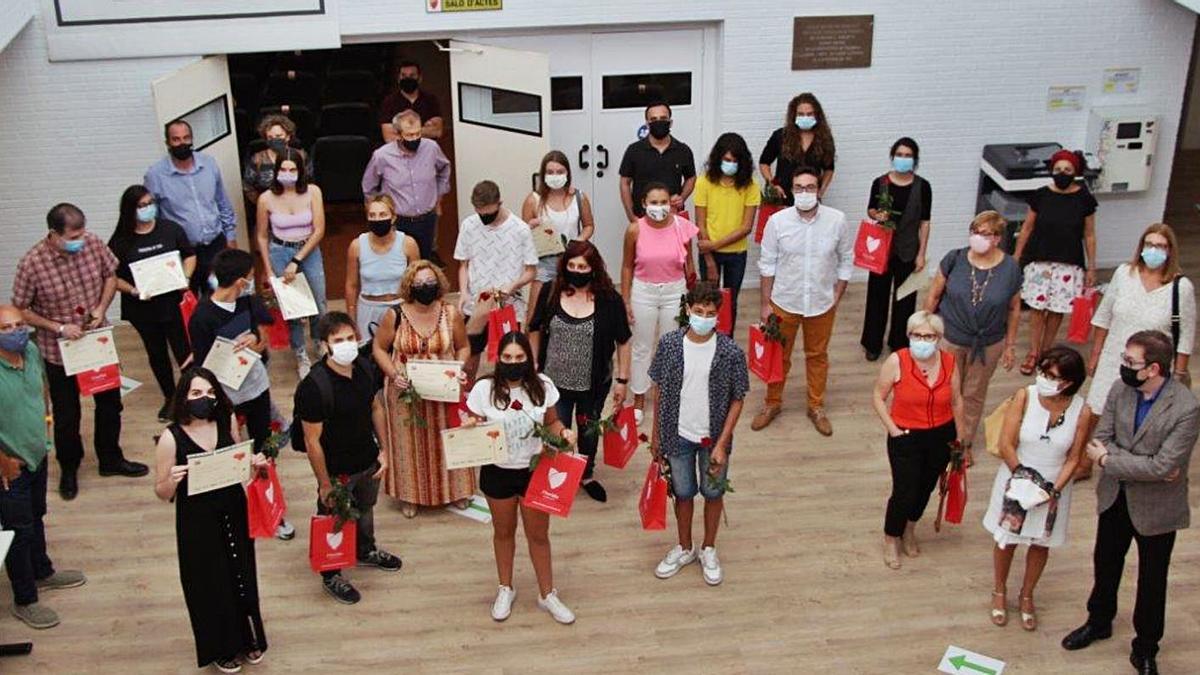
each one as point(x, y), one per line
point(764, 417)
point(820, 421)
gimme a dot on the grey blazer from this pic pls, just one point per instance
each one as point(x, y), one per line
point(1142, 461)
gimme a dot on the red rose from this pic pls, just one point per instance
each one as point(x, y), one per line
point(705, 442)
point(643, 438)
point(516, 405)
point(485, 296)
point(276, 426)
point(404, 358)
point(344, 479)
point(582, 419)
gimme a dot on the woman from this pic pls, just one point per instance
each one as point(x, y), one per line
point(375, 263)
point(805, 139)
point(1041, 443)
point(654, 276)
point(140, 234)
point(515, 397)
point(556, 203)
point(911, 204)
point(278, 131)
point(578, 322)
point(921, 423)
point(291, 224)
point(422, 326)
point(216, 554)
point(726, 198)
point(1060, 225)
point(977, 294)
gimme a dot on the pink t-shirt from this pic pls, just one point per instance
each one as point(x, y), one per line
point(661, 252)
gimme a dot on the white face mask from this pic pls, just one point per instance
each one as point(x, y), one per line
point(1046, 386)
point(658, 212)
point(555, 181)
point(806, 201)
point(343, 353)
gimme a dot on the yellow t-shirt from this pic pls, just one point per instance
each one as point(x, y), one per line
point(725, 205)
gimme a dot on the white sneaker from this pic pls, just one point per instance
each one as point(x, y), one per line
point(676, 559)
point(711, 566)
point(303, 364)
point(557, 609)
point(285, 531)
point(502, 607)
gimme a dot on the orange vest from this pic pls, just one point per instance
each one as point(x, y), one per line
point(916, 404)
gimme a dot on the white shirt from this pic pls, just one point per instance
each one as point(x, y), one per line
point(498, 254)
point(807, 258)
point(693, 395)
point(518, 424)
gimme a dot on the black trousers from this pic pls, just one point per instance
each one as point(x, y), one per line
point(423, 229)
point(1114, 533)
point(157, 337)
point(364, 490)
point(68, 444)
point(572, 404)
point(257, 412)
point(918, 459)
point(204, 257)
point(881, 296)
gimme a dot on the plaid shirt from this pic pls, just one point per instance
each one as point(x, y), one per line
point(62, 287)
point(728, 381)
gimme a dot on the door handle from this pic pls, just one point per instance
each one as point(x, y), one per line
point(583, 163)
point(602, 164)
point(533, 181)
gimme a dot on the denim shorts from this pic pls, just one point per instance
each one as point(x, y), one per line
point(689, 471)
point(547, 268)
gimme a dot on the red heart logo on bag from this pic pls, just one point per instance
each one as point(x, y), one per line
point(493, 434)
point(334, 540)
point(556, 478)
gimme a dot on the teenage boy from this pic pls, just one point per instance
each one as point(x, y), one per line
point(700, 382)
point(342, 417)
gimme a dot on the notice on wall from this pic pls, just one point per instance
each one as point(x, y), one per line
point(1065, 97)
point(820, 42)
point(1122, 80)
point(438, 6)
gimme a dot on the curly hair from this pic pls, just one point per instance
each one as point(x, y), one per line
point(273, 120)
point(822, 149)
point(410, 275)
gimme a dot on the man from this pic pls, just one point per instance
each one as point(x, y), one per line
point(1144, 443)
point(415, 173)
point(700, 382)
point(342, 417)
point(496, 255)
point(806, 260)
point(188, 188)
point(63, 286)
point(24, 444)
point(410, 96)
point(657, 158)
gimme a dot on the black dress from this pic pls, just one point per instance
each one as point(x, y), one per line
point(216, 563)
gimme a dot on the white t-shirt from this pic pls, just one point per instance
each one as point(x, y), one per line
point(498, 254)
point(693, 399)
point(518, 424)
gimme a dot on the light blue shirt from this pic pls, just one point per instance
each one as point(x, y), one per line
point(195, 199)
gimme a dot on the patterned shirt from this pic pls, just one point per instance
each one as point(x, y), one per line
point(497, 253)
point(62, 287)
point(569, 354)
point(728, 381)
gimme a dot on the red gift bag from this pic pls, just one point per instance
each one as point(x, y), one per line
point(765, 211)
point(953, 489)
point(766, 356)
point(554, 483)
point(329, 550)
point(456, 412)
point(872, 246)
point(1082, 309)
point(187, 307)
point(619, 445)
point(265, 504)
point(501, 322)
point(278, 336)
point(725, 313)
point(99, 380)
point(652, 505)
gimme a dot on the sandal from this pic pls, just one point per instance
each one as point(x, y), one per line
point(408, 510)
point(462, 504)
point(1029, 364)
point(1028, 619)
point(999, 616)
point(254, 658)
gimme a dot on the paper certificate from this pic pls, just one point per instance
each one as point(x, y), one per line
point(93, 351)
point(159, 274)
point(917, 281)
point(208, 471)
point(295, 299)
point(474, 446)
point(435, 380)
point(231, 367)
point(547, 241)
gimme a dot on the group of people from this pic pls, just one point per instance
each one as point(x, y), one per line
point(588, 343)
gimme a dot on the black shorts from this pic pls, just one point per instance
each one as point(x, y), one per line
point(499, 483)
point(478, 342)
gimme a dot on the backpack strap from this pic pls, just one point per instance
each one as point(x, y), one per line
point(1175, 312)
point(320, 378)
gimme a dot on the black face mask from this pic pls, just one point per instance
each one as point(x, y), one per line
point(488, 218)
point(425, 293)
point(579, 279)
point(412, 145)
point(660, 128)
point(181, 152)
point(278, 145)
point(408, 84)
point(1062, 181)
point(380, 228)
point(1130, 376)
point(202, 408)
point(512, 372)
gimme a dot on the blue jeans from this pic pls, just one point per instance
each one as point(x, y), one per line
point(314, 271)
point(689, 471)
point(22, 508)
point(731, 268)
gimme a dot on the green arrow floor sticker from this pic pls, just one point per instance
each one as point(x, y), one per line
point(959, 661)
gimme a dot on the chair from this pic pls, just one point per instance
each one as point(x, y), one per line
point(348, 119)
point(243, 127)
point(311, 61)
point(296, 87)
point(303, 116)
point(350, 86)
point(246, 91)
point(338, 165)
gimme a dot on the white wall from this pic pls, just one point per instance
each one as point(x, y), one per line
point(14, 15)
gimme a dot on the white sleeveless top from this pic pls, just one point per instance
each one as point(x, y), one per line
point(566, 223)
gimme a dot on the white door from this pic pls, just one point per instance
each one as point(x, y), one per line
point(199, 93)
point(501, 104)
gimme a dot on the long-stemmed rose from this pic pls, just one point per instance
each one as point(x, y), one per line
point(552, 442)
point(341, 503)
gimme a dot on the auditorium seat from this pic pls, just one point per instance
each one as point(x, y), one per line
point(295, 87)
point(350, 86)
point(338, 165)
point(348, 119)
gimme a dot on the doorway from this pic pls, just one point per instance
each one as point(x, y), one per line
point(1183, 194)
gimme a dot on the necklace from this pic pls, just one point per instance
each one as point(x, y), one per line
point(977, 289)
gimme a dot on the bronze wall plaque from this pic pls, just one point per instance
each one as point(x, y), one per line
point(820, 42)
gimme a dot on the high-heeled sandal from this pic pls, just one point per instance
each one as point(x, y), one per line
point(1028, 619)
point(1000, 616)
point(1029, 364)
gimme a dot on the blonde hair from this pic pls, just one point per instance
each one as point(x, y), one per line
point(992, 221)
point(406, 281)
point(380, 199)
point(1170, 269)
point(923, 318)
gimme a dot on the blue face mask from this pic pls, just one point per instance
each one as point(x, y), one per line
point(1154, 257)
point(902, 164)
point(702, 325)
point(73, 246)
point(922, 349)
point(729, 168)
point(15, 341)
point(212, 282)
point(806, 122)
point(147, 213)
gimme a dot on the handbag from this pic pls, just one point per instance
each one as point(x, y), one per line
point(993, 425)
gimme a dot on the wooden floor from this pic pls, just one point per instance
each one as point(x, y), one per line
point(805, 588)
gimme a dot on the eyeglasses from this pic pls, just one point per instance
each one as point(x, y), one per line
point(924, 337)
point(1125, 360)
point(811, 189)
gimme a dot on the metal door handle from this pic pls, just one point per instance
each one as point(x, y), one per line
point(602, 164)
point(583, 163)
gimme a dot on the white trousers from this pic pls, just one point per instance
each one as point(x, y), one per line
point(655, 307)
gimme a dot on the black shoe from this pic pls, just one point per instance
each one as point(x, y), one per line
point(125, 468)
point(341, 590)
point(381, 559)
point(68, 486)
point(1084, 636)
point(1145, 665)
point(596, 491)
point(164, 413)
point(872, 356)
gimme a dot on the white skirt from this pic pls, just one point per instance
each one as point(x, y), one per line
point(1033, 530)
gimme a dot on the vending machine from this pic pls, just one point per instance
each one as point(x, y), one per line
point(1123, 139)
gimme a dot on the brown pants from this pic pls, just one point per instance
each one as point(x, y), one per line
point(974, 378)
point(817, 330)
